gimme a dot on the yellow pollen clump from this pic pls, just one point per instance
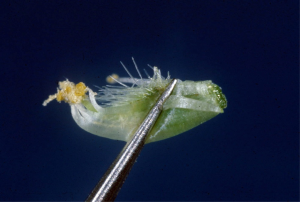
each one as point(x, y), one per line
point(68, 92)
point(110, 79)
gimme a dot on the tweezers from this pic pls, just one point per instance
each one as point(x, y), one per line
point(112, 181)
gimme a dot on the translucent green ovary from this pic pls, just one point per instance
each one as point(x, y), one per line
point(190, 104)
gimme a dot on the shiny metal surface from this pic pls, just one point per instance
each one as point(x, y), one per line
point(110, 184)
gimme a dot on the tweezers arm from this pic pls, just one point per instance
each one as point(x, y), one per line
point(110, 184)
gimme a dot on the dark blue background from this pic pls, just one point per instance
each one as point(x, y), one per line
point(249, 48)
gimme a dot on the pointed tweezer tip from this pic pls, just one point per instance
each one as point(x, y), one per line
point(108, 187)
